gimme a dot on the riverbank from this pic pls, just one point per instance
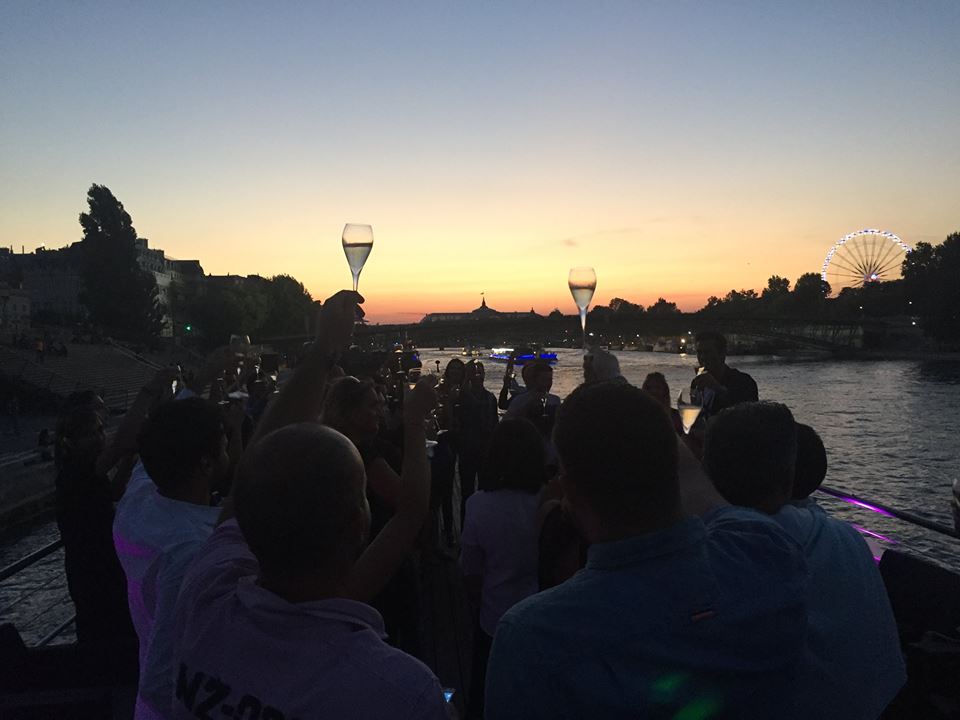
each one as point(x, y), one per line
point(916, 355)
point(26, 492)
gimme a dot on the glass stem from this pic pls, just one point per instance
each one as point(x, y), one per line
point(356, 281)
point(583, 326)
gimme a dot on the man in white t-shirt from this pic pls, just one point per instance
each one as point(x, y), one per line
point(270, 626)
point(161, 521)
point(272, 616)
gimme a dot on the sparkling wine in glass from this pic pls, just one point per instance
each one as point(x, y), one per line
point(689, 407)
point(357, 244)
point(583, 283)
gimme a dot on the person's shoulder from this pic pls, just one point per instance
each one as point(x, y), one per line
point(520, 399)
point(759, 536)
point(740, 378)
point(740, 375)
point(728, 516)
point(539, 612)
point(138, 486)
point(483, 507)
point(402, 675)
point(214, 567)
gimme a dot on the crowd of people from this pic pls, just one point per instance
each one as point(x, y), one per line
point(259, 560)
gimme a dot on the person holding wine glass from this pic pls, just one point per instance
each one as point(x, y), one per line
point(718, 385)
point(656, 384)
point(537, 401)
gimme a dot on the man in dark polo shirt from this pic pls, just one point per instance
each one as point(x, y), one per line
point(720, 386)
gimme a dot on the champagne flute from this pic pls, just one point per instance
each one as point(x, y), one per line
point(357, 244)
point(583, 283)
point(689, 407)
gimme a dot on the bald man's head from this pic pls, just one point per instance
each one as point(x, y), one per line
point(299, 499)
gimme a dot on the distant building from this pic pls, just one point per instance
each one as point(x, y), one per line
point(166, 271)
point(51, 280)
point(238, 281)
point(14, 312)
point(484, 312)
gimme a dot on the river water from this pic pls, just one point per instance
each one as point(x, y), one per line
point(891, 429)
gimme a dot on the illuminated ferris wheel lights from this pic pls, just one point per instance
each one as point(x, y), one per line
point(863, 257)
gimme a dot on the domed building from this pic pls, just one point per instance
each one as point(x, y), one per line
point(484, 312)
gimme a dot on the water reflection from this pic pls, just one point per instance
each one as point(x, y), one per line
point(940, 371)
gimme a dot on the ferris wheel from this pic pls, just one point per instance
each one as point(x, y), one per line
point(864, 257)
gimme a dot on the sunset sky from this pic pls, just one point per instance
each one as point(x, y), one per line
point(680, 148)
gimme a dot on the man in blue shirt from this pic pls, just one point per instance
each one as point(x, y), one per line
point(674, 615)
point(852, 665)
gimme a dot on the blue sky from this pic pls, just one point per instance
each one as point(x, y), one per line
point(682, 148)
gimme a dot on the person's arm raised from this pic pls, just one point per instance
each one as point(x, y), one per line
point(301, 398)
point(124, 442)
point(503, 399)
point(213, 367)
point(385, 554)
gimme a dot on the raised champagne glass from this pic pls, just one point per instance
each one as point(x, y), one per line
point(689, 407)
point(583, 283)
point(357, 244)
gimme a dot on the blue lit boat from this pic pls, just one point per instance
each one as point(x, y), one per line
point(521, 355)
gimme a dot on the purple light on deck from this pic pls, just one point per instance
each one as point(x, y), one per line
point(878, 536)
point(867, 506)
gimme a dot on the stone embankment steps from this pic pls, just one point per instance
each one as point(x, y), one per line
point(115, 374)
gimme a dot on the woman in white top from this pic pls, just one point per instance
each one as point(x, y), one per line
point(498, 548)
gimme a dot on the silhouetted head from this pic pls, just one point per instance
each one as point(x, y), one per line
point(599, 364)
point(184, 448)
point(656, 384)
point(354, 408)
point(475, 373)
point(618, 457)
point(79, 436)
point(811, 466)
point(539, 377)
point(712, 351)
point(455, 372)
point(516, 459)
point(301, 504)
point(750, 453)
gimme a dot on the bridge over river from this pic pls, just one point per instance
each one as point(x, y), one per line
point(771, 334)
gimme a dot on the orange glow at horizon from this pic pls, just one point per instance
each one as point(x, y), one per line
point(681, 149)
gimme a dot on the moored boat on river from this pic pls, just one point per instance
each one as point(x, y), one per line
point(521, 355)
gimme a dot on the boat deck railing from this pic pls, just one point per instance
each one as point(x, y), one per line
point(25, 563)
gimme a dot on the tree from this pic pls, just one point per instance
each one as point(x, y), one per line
point(810, 294)
point(776, 287)
point(289, 308)
point(625, 307)
point(254, 306)
point(663, 309)
point(932, 282)
point(118, 294)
